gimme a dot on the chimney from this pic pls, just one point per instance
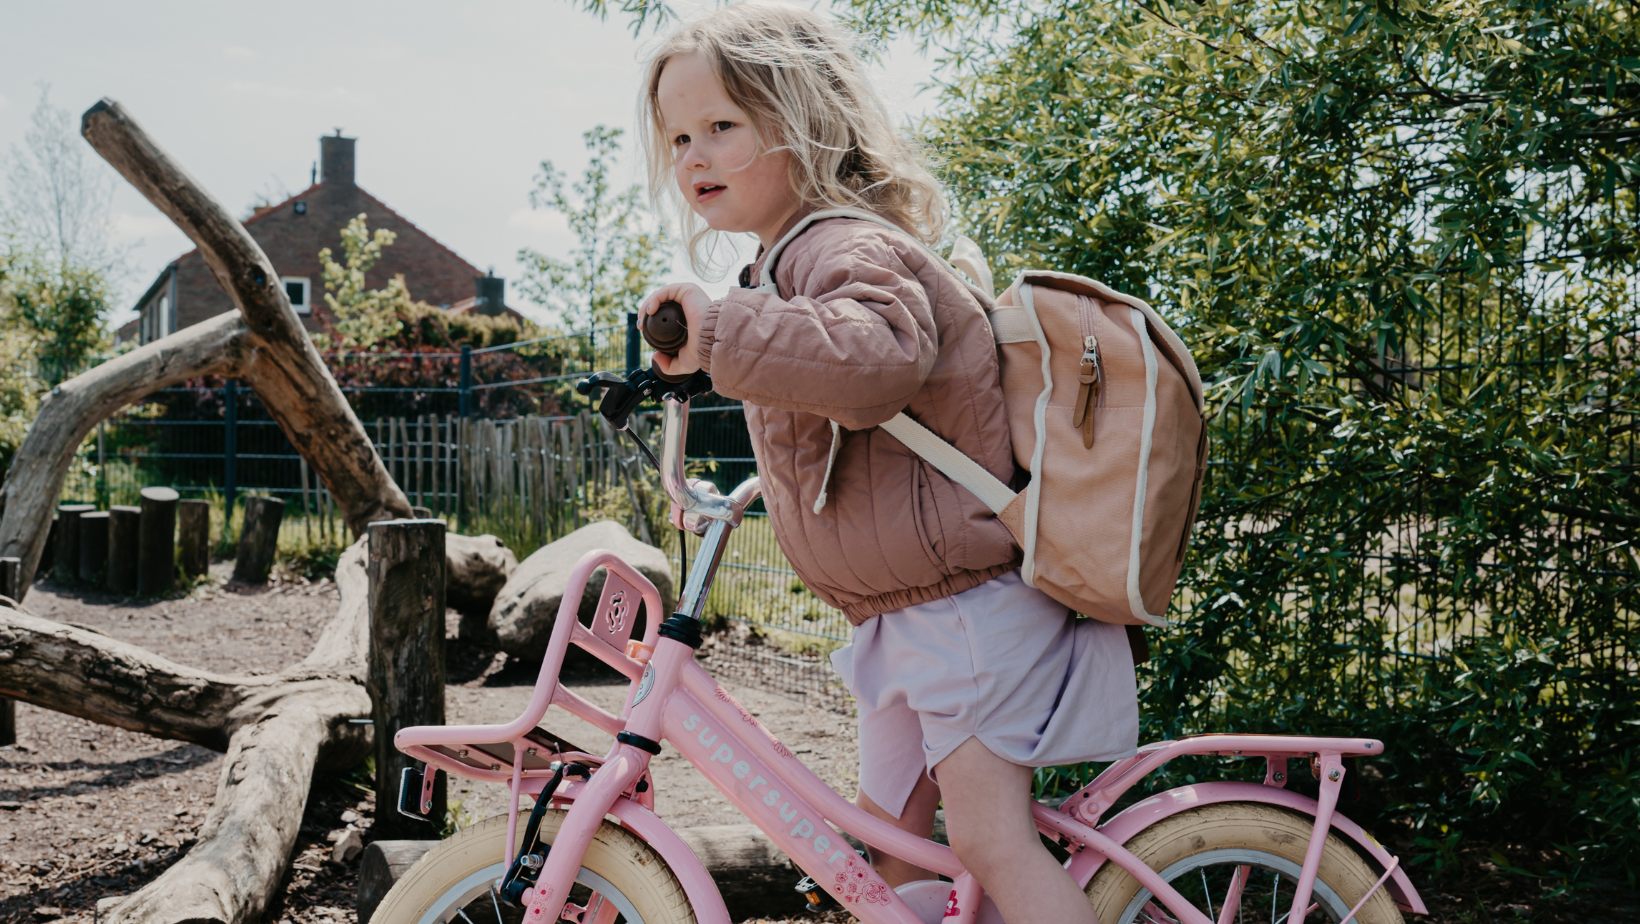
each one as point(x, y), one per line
point(336, 160)
point(492, 294)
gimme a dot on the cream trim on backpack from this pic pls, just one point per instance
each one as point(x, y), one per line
point(1067, 569)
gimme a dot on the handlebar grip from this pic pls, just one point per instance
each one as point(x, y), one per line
point(666, 330)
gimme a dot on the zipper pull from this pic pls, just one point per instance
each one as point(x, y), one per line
point(1087, 395)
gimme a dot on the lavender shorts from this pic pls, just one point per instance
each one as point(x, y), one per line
point(1001, 662)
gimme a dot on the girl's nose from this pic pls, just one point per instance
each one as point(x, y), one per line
point(694, 157)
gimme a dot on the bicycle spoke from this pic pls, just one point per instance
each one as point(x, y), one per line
point(1207, 894)
point(1274, 897)
point(497, 903)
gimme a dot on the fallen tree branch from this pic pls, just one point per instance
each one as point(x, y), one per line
point(285, 370)
point(70, 412)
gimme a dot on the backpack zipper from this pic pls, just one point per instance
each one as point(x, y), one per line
point(1090, 376)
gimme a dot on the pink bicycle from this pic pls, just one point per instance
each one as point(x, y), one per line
point(593, 850)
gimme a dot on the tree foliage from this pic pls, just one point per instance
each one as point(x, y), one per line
point(360, 316)
point(619, 252)
point(1400, 237)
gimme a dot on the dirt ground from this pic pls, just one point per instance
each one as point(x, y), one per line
point(88, 812)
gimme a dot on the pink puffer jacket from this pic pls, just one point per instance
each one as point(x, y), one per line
point(865, 325)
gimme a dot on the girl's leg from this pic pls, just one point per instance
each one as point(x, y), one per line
point(916, 818)
point(988, 817)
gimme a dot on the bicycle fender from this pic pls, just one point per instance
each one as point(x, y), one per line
point(703, 893)
point(1141, 815)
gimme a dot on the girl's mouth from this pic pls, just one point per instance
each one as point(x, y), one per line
point(707, 192)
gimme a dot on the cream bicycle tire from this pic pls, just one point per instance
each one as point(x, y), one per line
point(1229, 834)
point(438, 885)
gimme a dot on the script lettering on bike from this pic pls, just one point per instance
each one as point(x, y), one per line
point(803, 828)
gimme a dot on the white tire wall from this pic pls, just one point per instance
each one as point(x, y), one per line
point(1241, 826)
point(630, 865)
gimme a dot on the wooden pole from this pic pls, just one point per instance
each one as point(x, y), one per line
point(406, 665)
point(156, 542)
point(94, 547)
point(124, 524)
point(258, 540)
point(66, 553)
point(194, 536)
point(11, 573)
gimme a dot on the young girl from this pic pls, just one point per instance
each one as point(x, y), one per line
point(966, 678)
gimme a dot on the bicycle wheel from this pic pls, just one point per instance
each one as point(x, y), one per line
point(622, 880)
point(1204, 852)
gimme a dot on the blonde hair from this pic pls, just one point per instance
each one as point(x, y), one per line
point(797, 76)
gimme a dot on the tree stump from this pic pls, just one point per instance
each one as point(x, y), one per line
point(11, 574)
point(406, 664)
point(124, 525)
point(258, 539)
point(194, 536)
point(94, 547)
point(66, 551)
point(384, 863)
point(156, 542)
point(47, 554)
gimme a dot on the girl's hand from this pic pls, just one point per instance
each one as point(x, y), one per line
point(695, 302)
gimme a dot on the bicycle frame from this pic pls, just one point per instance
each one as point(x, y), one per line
point(673, 699)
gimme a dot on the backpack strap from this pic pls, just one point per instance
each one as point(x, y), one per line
point(950, 461)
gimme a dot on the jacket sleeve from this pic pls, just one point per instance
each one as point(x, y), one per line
point(854, 344)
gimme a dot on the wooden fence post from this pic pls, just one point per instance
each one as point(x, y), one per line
point(124, 524)
point(11, 573)
point(194, 536)
point(94, 547)
point(406, 666)
point(258, 540)
point(156, 542)
point(66, 550)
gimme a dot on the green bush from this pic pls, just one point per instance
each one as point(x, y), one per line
point(1400, 238)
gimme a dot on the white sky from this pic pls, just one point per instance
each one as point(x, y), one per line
point(454, 104)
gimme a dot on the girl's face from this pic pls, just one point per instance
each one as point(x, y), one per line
point(715, 157)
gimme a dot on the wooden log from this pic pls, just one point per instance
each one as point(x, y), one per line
point(10, 570)
point(68, 413)
point(285, 370)
point(384, 863)
point(258, 539)
point(194, 536)
point(124, 532)
point(67, 557)
point(94, 547)
point(276, 729)
point(406, 663)
point(156, 542)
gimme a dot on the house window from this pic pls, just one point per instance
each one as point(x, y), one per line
point(297, 288)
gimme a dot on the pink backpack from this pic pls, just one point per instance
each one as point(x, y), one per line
point(1105, 408)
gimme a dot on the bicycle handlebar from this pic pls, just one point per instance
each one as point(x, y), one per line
point(667, 330)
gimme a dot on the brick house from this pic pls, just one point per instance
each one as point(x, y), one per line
point(293, 232)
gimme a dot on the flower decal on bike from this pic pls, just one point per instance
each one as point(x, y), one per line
point(951, 909)
point(855, 883)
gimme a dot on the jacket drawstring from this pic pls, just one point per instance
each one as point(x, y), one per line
point(831, 458)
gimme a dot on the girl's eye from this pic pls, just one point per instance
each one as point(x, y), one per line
point(723, 126)
point(680, 141)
